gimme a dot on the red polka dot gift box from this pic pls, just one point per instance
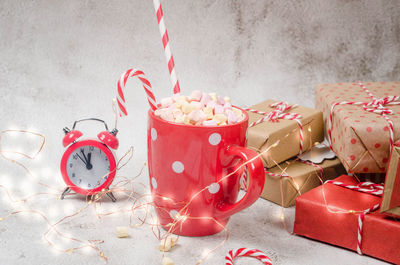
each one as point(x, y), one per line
point(345, 213)
point(362, 121)
point(279, 130)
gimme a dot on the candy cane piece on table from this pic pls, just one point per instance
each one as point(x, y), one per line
point(167, 48)
point(245, 252)
point(121, 86)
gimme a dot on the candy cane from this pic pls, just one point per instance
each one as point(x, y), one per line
point(245, 252)
point(121, 86)
point(167, 48)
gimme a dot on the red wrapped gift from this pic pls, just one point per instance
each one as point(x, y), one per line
point(331, 213)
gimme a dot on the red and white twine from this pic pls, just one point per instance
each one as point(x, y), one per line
point(377, 105)
point(279, 113)
point(366, 187)
point(121, 86)
point(360, 225)
point(245, 252)
point(167, 48)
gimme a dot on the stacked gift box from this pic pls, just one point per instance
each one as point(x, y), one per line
point(360, 122)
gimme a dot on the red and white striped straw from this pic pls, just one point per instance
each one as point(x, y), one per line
point(245, 252)
point(121, 86)
point(167, 48)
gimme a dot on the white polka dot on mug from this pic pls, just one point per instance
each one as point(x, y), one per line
point(178, 167)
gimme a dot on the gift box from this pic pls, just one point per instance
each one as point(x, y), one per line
point(391, 194)
point(360, 131)
point(298, 178)
point(280, 131)
point(330, 213)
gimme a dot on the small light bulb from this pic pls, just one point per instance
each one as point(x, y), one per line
point(309, 129)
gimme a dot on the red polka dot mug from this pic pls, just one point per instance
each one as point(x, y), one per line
point(195, 174)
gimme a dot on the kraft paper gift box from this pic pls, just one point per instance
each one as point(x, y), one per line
point(330, 213)
point(265, 135)
point(300, 178)
point(391, 194)
point(360, 138)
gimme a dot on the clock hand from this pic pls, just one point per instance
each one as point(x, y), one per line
point(89, 165)
point(84, 161)
point(83, 153)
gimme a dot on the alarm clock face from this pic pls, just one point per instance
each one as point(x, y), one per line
point(88, 166)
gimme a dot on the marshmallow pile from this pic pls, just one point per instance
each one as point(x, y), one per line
point(201, 109)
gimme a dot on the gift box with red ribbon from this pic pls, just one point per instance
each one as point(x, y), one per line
point(391, 195)
point(279, 130)
point(345, 213)
point(362, 121)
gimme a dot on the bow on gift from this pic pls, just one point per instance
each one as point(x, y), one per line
point(377, 105)
point(279, 113)
point(366, 187)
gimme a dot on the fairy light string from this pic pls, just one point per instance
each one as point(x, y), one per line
point(134, 203)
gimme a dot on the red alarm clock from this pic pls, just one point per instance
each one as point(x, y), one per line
point(88, 166)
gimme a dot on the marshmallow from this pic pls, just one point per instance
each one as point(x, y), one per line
point(196, 95)
point(211, 104)
point(196, 104)
point(220, 100)
point(187, 107)
point(167, 115)
point(186, 119)
point(205, 98)
point(122, 231)
point(210, 123)
point(213, 96)
point(199, 109)
point(219, 109)
point(166, 102)
point(238, 112)
point(180, 119)
point(176, 113)
point(209, 113)
point(167, 261)
point(158, 112)
point(176, 96)
point(220, 118)
point(197, 116)
point(232, 118)
point(167, 243)
point(227, 105)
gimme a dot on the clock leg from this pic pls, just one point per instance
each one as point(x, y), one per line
point(109, 194)
point(66, 191)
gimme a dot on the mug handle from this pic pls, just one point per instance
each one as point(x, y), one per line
point(256, 178)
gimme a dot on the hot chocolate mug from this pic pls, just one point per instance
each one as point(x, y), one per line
point(195, 174)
